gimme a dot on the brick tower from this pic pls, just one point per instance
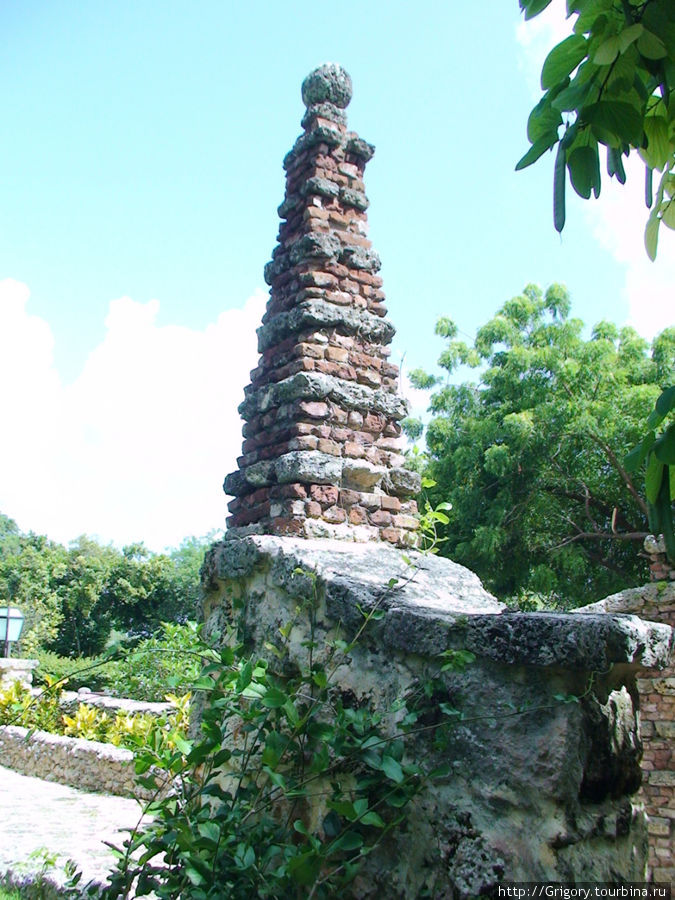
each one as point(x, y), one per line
point(321, 454)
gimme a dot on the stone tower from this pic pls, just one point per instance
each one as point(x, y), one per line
point(321, 454)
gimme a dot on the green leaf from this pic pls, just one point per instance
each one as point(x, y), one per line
point(348, 842)
point(652, 236)
point(636, 457)
point(623, 121)
point(665, 404)
point(304, 869)
point(562, 60)
point(608, 51)
point(392, 769)
point(651, 46)
point(664, 446)
point(559, 189)
point(658, 149)
point(245, 676)
point(615, 165)
point(584, 168)
point(628, 35)
point(668, 214)
point(543, 120)
point(653, 477)
point(536, 150)
point(274, 698)
point(532, 8)
point(210, 830)
point(372, 818)
point(572, 98)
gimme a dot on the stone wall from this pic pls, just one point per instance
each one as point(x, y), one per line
point(656, 603)
point(538, 789)
point(88, 765)
point(16, 669)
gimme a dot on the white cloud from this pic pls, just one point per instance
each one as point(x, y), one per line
point(618, 218)
point(617, 221)
point(137, 446)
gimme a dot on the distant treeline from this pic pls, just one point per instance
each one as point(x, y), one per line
point(74, 597)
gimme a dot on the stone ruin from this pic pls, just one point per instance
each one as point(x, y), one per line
point(321, 455)
point(546, 793)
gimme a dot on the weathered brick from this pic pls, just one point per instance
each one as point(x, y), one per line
point(325, 494)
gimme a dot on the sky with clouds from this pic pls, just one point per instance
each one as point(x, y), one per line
point(141, 185)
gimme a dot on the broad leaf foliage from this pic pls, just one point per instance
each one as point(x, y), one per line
point(612, 84)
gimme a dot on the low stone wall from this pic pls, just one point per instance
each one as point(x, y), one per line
point(70, 700)
point(88, 765)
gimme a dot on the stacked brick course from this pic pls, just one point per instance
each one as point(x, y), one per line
point(654, 602)
point(657, 705)
point(321, 454)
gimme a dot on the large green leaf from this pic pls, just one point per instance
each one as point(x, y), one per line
point(532, 8)
point(652, 236)
point(664, 405)
point(608, 51)
point(653, 477)
point(664, 448)
point(658, 150)
point(622, 120)
point(392, 769)
point(573, 96)
point(562, 60)
point(543, 120)
point(615, 165)
point(651, 46)
point(668, 213)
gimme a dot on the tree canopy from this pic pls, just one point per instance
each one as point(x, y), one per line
point(531, 458)
point(610, 83)
point(73, 597)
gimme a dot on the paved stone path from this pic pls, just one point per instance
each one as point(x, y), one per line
point(37, 814)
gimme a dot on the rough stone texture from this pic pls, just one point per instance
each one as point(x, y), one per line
point(16, 669)
point(324, 393)
point(88, 765)
point(538, 789)
point(656, 603)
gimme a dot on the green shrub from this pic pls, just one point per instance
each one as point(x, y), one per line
point(167, 663)
point(91, 672)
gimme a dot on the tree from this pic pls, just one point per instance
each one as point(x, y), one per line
point(87, 618)
point(30, 566)
point(532, 457)
point(610, 83)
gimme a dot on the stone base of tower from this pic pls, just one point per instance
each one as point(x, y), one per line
point(538, 786)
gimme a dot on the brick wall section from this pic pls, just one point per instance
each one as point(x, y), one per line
point(321, 453)
point(657, 704)
point(656, 603)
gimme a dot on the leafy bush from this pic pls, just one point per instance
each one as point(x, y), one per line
point(92, 672)
point(18, 706)
point(169, 662)
point(290, 785)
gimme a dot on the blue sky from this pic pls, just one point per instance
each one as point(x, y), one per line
point(140, 178)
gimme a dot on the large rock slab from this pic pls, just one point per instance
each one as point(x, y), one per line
point(544, 760)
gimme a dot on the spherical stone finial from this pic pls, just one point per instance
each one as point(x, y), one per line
point(330, 83)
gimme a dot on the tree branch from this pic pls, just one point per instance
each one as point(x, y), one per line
point(612, 457)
